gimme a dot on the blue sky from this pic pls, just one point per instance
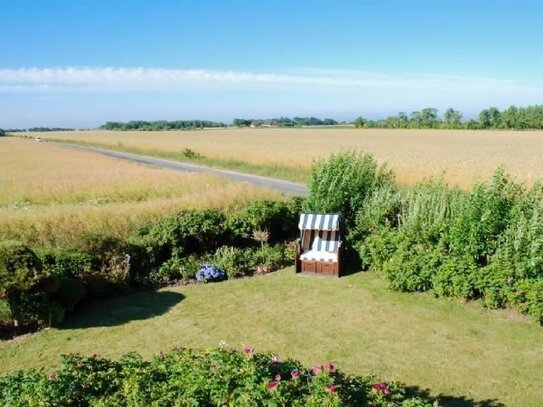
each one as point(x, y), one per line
point(80, 63)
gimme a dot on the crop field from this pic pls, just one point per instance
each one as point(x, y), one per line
point(461, 156)
point(52, 196)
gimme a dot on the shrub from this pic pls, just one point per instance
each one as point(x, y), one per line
point(230, 260)
point(456, 277)
point(193, 231)
point(65, 263)
point(20, 273)
point(484, 216)
point(279, 218)
point(343, 182)
point(411, 268)
point(188, 377)
point(527, 297)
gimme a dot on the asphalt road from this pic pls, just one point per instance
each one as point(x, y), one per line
point(287, 187)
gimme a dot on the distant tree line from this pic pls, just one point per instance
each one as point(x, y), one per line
point(518, 118)
point(161, 125)
point(284, 122)
point(2, 133)
point(37, 129)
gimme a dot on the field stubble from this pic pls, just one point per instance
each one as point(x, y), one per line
point(461, 156)
point(52, 196)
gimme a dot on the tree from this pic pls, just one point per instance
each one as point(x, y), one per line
point(359, 122)
point(2, 133)
point(428, 117)
point(453, 118)
point(489, 118)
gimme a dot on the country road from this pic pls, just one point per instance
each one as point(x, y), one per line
point(287, 187)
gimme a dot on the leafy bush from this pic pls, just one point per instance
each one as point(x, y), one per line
point(20, 274)
point(279, 218)
point(473, 245)
point(187, 377)
point(343, 182)
point(485, 215)
point(527, 297)
point(64, 263)
point(230, 260)
point(456, 277)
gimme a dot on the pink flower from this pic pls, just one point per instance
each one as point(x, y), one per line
point(317, 370)
point(277, 377)
point(331, 388)
point(295, 373)
point(276, 359)
point(52, 376)
point(272, 384)
point(383, 388)
point(330, 367)
point(248, 350)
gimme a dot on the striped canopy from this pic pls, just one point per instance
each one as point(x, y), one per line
point(319, 221)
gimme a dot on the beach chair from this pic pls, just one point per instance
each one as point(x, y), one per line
point(319, 250)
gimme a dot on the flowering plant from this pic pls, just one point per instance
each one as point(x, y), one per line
point(209, 272)
point(215, 377)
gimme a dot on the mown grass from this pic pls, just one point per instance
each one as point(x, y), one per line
point(463, 156)
point(53, 196)
point(460, 351)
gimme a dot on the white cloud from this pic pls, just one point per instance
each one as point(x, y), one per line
point(69, 79)
point(132, 92)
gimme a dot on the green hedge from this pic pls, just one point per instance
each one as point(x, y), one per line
point(185, 377)
point(38, 286)
point(485, 244)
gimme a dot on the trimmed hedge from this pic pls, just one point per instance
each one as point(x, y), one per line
point(41, 285)
point(186, 377)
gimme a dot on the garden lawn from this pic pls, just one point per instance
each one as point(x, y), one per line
point(462, 352)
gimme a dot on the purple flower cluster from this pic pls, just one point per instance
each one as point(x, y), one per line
point(209, 272)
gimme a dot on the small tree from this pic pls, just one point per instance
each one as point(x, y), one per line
point(343, 182)
point(2, 133)
point(20, 272)
point(359, 122)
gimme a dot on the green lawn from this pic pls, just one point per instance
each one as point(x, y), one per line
point(461, 351)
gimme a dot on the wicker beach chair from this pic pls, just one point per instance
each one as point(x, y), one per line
point(319, 250)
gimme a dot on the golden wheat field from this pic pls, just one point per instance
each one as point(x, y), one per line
point(54, 196)
point(462, 156)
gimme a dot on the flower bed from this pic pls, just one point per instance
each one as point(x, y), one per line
point(189, 377)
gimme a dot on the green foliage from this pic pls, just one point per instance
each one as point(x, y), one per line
point(279, 218)
point(64, 263)
point(527, 297)
point(20, 273)
point(191, 154)
point(161, 125)
point(193, 231)
point(472, 245)
point(485, 215)
point(343, 182)
point(518, 118)
point(186, 377)
point(177, 268)
point(455, 278)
